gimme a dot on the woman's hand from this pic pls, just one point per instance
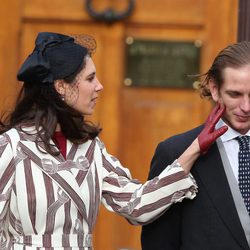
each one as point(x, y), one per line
point(204, 140)
point(209, 135)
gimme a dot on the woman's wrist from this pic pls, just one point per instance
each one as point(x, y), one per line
point(187, 159)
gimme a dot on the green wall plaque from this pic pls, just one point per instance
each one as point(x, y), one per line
point(151, 63)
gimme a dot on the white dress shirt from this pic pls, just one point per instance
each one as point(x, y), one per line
point(231, 146)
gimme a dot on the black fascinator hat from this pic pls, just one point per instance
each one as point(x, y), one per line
point(55, 56)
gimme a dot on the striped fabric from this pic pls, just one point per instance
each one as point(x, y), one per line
point(48, 202)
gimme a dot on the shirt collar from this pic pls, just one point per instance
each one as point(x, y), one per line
point(230, 134)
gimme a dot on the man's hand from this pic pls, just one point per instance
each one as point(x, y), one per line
point(209, 135)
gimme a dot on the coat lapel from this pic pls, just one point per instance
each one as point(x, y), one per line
point(51, 167)
point(211, 173)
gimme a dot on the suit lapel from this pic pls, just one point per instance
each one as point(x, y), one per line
point(212, 175)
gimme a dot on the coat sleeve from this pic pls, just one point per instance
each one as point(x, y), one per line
point(7, 167)
point(142, 203)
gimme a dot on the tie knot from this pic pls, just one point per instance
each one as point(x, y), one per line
point(243, 142)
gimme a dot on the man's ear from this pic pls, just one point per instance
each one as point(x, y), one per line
point(60, 87)
point(214, 90)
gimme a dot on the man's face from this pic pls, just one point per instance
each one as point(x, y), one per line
point(235, 95)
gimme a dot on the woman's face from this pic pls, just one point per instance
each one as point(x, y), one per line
point(83, 93)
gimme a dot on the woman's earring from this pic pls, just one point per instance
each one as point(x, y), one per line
point(62, 98)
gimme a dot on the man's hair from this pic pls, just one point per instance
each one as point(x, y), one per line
point(233, 56)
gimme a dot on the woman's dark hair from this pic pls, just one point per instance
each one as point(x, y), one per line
point(234, 56)
point(41, 106)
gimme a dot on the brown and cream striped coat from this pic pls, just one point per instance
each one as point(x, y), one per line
point(48, 202)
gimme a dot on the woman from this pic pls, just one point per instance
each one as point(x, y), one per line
point(55, 171)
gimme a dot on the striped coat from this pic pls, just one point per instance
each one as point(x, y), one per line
point(49, 202)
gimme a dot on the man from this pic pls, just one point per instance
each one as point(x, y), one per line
point(217, 219)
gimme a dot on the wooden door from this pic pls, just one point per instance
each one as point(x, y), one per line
point(134, 120)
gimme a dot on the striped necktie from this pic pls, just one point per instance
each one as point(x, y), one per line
point(244, 169)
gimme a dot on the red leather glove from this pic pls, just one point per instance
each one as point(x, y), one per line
point(209, 135)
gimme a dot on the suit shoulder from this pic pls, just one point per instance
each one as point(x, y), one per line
point(170, 149)
point(183, 138)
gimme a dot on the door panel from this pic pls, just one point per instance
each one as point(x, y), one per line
point(134, 120)
point(9, 51)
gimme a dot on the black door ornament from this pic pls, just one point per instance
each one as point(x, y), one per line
point(109, 15)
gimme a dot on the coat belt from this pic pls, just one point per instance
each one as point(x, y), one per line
point(54, 240)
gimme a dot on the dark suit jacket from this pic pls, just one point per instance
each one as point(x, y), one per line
point(209, 221)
